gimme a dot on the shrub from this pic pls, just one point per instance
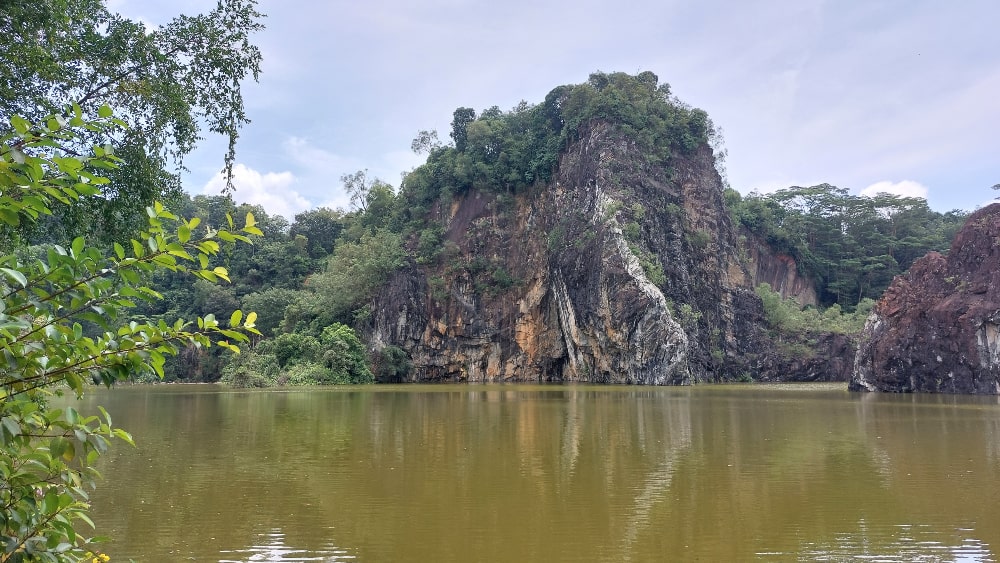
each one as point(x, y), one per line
point(345, 355)
point(309, 373)
point(390, 364)
point(67, 318)
point(251, 369)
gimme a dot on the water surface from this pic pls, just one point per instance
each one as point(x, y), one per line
point(550, 473)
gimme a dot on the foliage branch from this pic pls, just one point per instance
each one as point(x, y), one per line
point(64, 323)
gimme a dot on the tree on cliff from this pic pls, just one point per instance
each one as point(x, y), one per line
point(364, 190)
point(167, 83)
point(510, 151)
point(459, 124)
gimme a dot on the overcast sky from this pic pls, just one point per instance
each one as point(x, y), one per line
point(889, 95)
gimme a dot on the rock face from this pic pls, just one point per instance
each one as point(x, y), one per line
point(617, 271)
point(937, 328)
point(780, 271)
point(811, 358)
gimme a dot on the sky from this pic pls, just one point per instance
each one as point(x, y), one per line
point(900, 96)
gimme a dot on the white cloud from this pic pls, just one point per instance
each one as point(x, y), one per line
point(320, 170)
point(904, 188)
point(271, 190)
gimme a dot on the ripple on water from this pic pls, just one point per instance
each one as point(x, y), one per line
point(903, 543)
point(273, 548)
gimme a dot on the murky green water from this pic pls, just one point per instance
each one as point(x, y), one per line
point(533, 473)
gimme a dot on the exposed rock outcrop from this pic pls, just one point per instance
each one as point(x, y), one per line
point(811, 357)
point(937, 328)
point(779, 270)
point(618, 270)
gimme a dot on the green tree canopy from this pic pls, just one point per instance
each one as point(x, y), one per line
point(852, 246)
point(168, 83)
point(509, 151)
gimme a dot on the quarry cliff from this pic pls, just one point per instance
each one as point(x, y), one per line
point(622, 266)
point(587, 239)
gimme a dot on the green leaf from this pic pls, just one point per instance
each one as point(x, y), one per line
point(16, 276)
point(184, 233)
point(129, 275)
point(77, 246)
point(236, 317)
point(251, 320)
point(119, 251)
point(105, 111)
point(50, 503)
point(11, 427)
point(237, 336)
point(9, 217)
point(19, 124)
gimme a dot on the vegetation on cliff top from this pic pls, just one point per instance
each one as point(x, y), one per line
point(507, 152)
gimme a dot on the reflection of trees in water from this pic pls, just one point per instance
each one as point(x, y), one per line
point(214, 470)
point(868, 420)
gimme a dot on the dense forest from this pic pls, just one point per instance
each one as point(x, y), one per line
point(850, 245)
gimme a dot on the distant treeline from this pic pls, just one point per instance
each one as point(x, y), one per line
point(850, 245)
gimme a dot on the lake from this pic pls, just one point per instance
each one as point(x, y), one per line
point(549, 473)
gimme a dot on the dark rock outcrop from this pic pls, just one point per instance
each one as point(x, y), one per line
point(618, 270)
point(810, 358)
point(937, 328)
